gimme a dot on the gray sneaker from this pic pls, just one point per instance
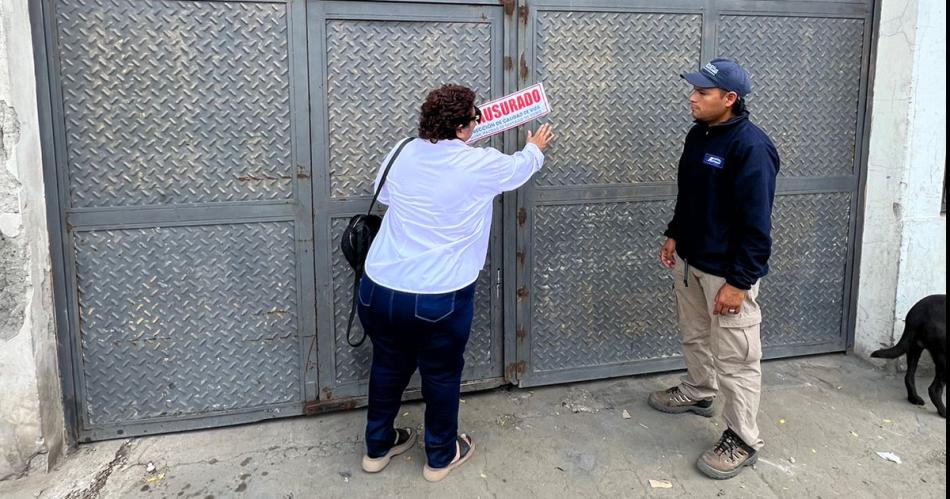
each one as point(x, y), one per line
point(673, 401)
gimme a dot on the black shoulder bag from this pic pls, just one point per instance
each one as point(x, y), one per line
point(358, 237)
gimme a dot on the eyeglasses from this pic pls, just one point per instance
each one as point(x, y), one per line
point(477, 118)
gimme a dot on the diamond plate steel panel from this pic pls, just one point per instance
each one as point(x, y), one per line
point(171, 102)
point(596, 281)
point(613, 83)
point(802, 298)
point(599, 295)
point(187, 320)
point(806, 76)
point(378, 74)
point(352, 364)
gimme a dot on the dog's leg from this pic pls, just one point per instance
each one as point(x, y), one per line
point(913, 356)
point(940, 380)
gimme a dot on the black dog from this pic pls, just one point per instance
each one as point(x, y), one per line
point(925, 328)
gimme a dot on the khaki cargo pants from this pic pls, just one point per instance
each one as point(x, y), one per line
point(722, 352)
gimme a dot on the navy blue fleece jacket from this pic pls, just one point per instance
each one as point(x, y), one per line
point(722, 223)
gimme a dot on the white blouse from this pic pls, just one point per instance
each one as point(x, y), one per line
point(434, 237)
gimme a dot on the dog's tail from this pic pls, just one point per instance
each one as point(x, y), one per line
point(895, 351)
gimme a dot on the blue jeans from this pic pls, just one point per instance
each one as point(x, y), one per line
point(408, 330)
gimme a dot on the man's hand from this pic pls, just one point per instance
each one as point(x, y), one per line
point(729, 300)
point(668, 253)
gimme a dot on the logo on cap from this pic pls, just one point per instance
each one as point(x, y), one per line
point(711, 69)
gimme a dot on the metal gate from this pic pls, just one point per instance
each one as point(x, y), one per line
point(207, 157)
point(379, 61)
point(204, 157)
point(594, 301)
point(183, 173)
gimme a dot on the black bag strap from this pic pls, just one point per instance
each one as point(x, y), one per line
point(358, 272)
point(379, 188)
point(349, 322)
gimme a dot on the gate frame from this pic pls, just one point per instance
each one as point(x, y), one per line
point(328, 208)
point(515, 22)
point(853, 184)
point(53, 153)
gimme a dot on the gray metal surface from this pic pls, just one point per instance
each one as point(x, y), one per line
point(198, 265)
point(378, 74)
point(378, 66)
point(808, 107)
point(597, 69)
point(175, 102)
point(596, 302)
point(38, 12)
point(187, 320)
point(803, 295)
point(596, 286)
point(182, 167)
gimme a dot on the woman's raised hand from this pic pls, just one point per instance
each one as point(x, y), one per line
point(542, 137)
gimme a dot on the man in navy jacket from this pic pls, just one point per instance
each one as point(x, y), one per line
point(718, 245)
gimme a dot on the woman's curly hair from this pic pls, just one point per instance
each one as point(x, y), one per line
point(444, 109)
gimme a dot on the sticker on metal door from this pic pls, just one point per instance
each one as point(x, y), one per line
point(510, 111)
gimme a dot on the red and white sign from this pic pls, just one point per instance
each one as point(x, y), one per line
point(510, 111)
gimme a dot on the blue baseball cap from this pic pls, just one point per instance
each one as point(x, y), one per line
point(721, 73)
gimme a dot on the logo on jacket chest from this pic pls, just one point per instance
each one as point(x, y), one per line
point(713, 161)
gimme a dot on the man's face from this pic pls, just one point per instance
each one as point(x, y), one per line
point(711, 105)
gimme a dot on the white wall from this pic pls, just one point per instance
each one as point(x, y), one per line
point(31, 413)
point(904, 246)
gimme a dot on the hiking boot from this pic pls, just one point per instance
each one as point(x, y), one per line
point(405, 439)
point(727, 458)
point(674, 401)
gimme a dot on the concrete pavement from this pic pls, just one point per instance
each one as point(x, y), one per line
point(824, 420)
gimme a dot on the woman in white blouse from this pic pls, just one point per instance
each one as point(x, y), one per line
point(416, 297)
